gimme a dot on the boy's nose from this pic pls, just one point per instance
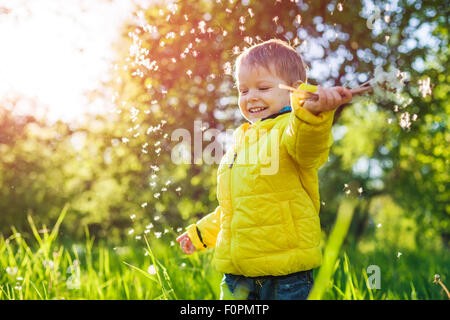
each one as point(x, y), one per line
point(252, 96)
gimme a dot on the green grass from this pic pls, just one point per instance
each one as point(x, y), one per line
point(39, 267)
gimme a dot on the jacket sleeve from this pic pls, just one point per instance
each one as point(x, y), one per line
point(203, 234)
point(308, 137)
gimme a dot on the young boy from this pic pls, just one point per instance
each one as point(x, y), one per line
point(266, 228)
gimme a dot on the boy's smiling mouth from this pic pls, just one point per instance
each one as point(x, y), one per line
point(257, 109)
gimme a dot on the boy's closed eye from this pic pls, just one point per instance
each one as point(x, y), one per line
point(244, 91)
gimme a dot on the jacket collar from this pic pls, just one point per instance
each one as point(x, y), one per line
point(265, 123)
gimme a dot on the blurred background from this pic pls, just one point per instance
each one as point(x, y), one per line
point(91, 92)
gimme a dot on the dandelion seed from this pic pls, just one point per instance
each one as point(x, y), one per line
point(133, 216)
point(323, 203)
point(138, 237)
point(275, 19)
point(360, 190)
point(153, 176)
point(179, 229)
point(178, 189)
point(379, 225)
point(131, 232)
point(151, 270)
point(166, 231)
point(298, 19)
point(172, 243)
point(19, 279)
point(149, 226)
point(125, 140)
point(227, 68)
point(144, 205)
point(156, 218)
point(228, 10)
point(348, 191)
point(250, 12)
point(189, 73)
point(399, 254)
point(168, 182)
point(424, 87)
point(12, 271)
point(156, 195)
point(158, 235)
point(414, 117)
point(155, 168)
point(242, 20)
point(340, 6)
point(163, 189)
point(183, 265)
point(389, 120)
point(158, 150)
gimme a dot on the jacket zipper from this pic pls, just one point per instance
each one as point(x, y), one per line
point(234, 158)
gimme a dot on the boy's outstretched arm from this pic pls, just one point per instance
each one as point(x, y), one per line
point(203, 234)
point(308, 135)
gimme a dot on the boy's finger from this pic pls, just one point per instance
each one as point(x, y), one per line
point(322, 96)
point(346, 94)
point(337, 98)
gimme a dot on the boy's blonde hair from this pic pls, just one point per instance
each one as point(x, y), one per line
point(286, 62)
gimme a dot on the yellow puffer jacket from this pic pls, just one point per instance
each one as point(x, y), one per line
point(267, 220)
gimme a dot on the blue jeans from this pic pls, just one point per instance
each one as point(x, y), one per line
point(294, 286)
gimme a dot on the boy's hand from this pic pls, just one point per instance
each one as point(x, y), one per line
point(329, 99)
point(186, 243)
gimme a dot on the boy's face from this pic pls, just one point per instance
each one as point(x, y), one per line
point(258, 88)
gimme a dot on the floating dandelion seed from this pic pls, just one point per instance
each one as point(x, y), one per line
point(348, 191)
point(168, 182)
point(12, 271)
point(155, 168)
point(424, 87)
point(138, 237)
point(228, 10)
point(405, 121)
point(149, 226)
point(156, 195)
point(389, 120)
point(242, 20)
point(131, 231)
point(153, 176)
point(156, 218)
point(166, 231)
point(158, 235)
point(125, 140)
point(178, 189)
point(133, 216)
point(399, 254)
point(323, 203)
point(227, 68)
point(179, 229)
point(151, 270)
point(163, 189)
point(144, 205)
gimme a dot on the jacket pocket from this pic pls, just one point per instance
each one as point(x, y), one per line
point(291, 233)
